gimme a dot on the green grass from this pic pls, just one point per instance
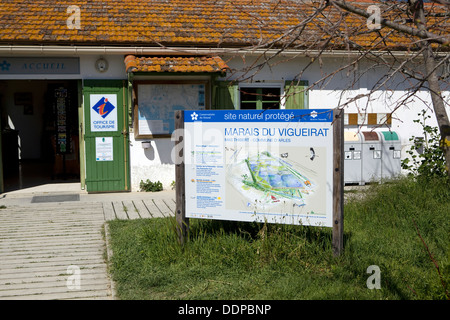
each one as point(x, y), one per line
point(233, 260)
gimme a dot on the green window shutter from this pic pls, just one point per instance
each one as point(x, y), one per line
point(296, 98)
point(224, 95)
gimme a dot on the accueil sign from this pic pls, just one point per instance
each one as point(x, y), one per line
point(39, 65)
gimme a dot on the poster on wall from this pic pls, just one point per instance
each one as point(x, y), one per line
point(62, 131)
point(260, 165)
point(157, 104)
point(104, 148)
point(103, 112)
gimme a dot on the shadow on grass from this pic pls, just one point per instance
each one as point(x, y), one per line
point(321, 237)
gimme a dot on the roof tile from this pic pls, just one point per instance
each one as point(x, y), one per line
point(184, 22)
point(175, 64)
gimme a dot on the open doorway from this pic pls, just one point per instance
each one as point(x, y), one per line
point(40, 139)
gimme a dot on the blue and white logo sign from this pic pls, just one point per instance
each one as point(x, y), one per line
point(103, 112)
point(194, 116)
point(103, 107)
point(267, 116)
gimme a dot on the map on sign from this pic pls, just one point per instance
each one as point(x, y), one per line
point(263, 179)
point(276, 178)
point(157, 104)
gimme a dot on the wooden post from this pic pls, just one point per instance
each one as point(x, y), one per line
point(338, 182)
point(180, 212)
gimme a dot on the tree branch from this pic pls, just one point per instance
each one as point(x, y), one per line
point(423, 34)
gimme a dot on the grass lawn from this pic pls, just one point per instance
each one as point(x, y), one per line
point(233, 260)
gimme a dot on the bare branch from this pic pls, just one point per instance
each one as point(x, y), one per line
point(423, 34)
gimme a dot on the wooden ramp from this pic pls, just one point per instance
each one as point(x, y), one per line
point(53, 251)
point(139, 209)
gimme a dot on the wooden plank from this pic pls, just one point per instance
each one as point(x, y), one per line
point(153, 209)
point(162, 207)
point(108, 211)
point(142, 209)
point(130, 209)
point(338, 182)
point(180, 196)
point(118, 209)
point(171, 204)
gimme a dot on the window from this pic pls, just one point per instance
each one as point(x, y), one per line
point(290, 94)
point(260, 97)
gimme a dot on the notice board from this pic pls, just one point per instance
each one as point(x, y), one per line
point(157, 102)
point(271, 166)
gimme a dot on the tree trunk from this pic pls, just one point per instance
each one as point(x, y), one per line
point(416, 7)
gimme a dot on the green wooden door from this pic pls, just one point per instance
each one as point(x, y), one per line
point(106, 136)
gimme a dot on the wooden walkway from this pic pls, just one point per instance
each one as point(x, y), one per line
point(142, 208)
point(58, 250)
point(53, 251)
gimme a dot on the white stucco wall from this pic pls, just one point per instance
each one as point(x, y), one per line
point(116, 67)
point(360, 82)
point(156, 163)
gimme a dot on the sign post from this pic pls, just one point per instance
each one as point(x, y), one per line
point(338, 182)
point(275, 166)
point(182, 221)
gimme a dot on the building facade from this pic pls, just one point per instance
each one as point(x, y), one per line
point(89, 92)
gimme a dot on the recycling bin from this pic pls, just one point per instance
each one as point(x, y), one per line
point(352, 158)
point(371, 157)
point(392, 151)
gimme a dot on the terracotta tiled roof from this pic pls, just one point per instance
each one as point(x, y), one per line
point(174, 64)
point(213, 23)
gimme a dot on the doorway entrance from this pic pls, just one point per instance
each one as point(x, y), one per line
point(106, 136)
point(39, 133)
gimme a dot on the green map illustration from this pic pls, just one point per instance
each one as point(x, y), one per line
point(274, 177)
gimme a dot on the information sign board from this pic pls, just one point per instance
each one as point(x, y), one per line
point(271, 166)
point(158, 102)
point(103, 112)
point(104, 149)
